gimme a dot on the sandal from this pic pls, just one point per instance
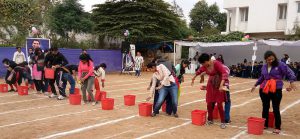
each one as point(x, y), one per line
point(276, 131)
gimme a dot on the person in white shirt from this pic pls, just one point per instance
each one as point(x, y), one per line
point(167, 86)
point(19, 56)
point(100, 73)
point(139, 62)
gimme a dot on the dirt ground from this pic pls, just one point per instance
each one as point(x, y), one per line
point(36, 116)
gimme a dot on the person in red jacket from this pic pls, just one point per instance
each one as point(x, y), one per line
point(215, 93)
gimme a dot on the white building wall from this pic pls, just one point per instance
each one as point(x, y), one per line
point(262, 15)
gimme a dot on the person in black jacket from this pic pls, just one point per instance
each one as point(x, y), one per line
point(10, 77)
point(59, 61)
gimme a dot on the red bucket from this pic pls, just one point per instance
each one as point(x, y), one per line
point(49, 73)
point(49, 89)
point(145, 109)
point(107, 104)
point(129, 100)
point(256, 125)
point(32, 86)
point(271, 120)
point(103, 95)
point(23, 90)
point(3, 88)
point(98, 95)
point(199, 117)
point(216, 112)
point(75, 99)
point(77, 91)
point(164, 107)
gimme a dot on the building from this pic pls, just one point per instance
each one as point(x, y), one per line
point(263, 18)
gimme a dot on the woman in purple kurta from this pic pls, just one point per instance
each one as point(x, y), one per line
point(271, 84)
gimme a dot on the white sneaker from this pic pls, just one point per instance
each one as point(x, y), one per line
point(94, 103)
point(60, 97)
point(46, 94)
point(52, 96)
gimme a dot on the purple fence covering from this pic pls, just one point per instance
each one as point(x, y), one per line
point(112, 58)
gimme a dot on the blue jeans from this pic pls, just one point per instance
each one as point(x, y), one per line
point(137, 72)
point(67, 77)
point(227, 107)
point(163, 92)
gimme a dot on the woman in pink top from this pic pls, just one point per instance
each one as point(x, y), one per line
point(87, 77)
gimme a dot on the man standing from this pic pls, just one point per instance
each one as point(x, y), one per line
point(19, 56)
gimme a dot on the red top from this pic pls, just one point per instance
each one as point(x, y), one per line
point(218, 73)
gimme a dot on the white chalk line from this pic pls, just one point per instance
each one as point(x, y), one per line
point(29, 100)
point(134, 115)
point(282, 111)
point(80, 112)
point(164, 130)
point(88, 127)
point(25, 122)
point(35, 108)
point(118, 134)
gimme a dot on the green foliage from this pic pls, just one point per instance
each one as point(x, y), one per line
point(233, 36)
point(205, 17)
point(296, 33)
point(69, 16)
point(147, 21)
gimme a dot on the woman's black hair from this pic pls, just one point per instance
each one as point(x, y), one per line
point(203, 58)
point(37, 50)
point(271, 53)
point(182, 69)
point(85, 57)
point(5, 61)
point(103, 65)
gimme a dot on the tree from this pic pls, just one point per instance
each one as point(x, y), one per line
point(68, 16)
point(17, 17)
point(205, 17)
point(146, 20)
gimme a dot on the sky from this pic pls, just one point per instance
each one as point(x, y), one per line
point(186, 5)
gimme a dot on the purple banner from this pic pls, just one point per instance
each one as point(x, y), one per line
point(112, 58)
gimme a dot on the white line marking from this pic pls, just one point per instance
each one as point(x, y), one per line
point(239, 134)
point(41, 107)
point(13, 102)
point(118, 134)
point(289, 106)
point(164, 130)
point(87, 128)
point(245, 103)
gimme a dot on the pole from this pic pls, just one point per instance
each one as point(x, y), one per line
point(174, 62)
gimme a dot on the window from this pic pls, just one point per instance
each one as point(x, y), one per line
point(244, 14)
point(282, 9)
point(298, 3)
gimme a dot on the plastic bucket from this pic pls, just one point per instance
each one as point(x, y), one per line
point(271, 120)
point(23, 90)
point(3, 88)
point(103, 95)
point(256, 125)
point(77, 91)
point(216, 112)
point(75, 99)
point(145, 109)
point(107, 104)
point(199, 117)
point(49, 89)
point(98, 95)
point(49, 73)
point(129, 100)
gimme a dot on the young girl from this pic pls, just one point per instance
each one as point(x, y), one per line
point(37, 62)
point(86, 76)
point(214, 89)
point(99, 71)
point(10, 77)
point(271, 84)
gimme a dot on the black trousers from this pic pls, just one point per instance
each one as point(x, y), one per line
point(276, 99)
point(38, 85)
